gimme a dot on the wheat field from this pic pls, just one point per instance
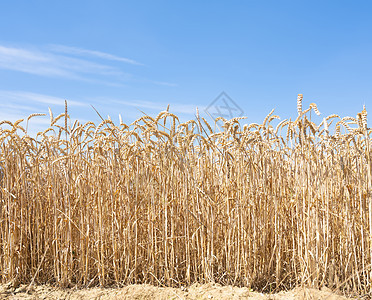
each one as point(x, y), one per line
point(169, 203)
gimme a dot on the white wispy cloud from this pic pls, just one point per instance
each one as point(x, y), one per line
point(9, 97)
point(165, 83)
point(33, 62)
point(72, 63)
point(85, 52)
point(47, 63)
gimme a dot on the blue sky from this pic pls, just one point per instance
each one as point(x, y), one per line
point(127, 56)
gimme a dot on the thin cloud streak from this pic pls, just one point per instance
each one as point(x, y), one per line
point(165, 83)
point(62, 62)
point(25, 97)
point(48, 64)
point(32, 62)
point(104, 55)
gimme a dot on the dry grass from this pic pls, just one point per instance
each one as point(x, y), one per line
point(172, 204)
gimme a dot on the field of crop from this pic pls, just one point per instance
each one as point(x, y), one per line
point(169, 203)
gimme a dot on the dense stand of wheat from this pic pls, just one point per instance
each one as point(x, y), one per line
point(167, 203)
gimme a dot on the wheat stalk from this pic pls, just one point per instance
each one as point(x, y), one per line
point(266, 206)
